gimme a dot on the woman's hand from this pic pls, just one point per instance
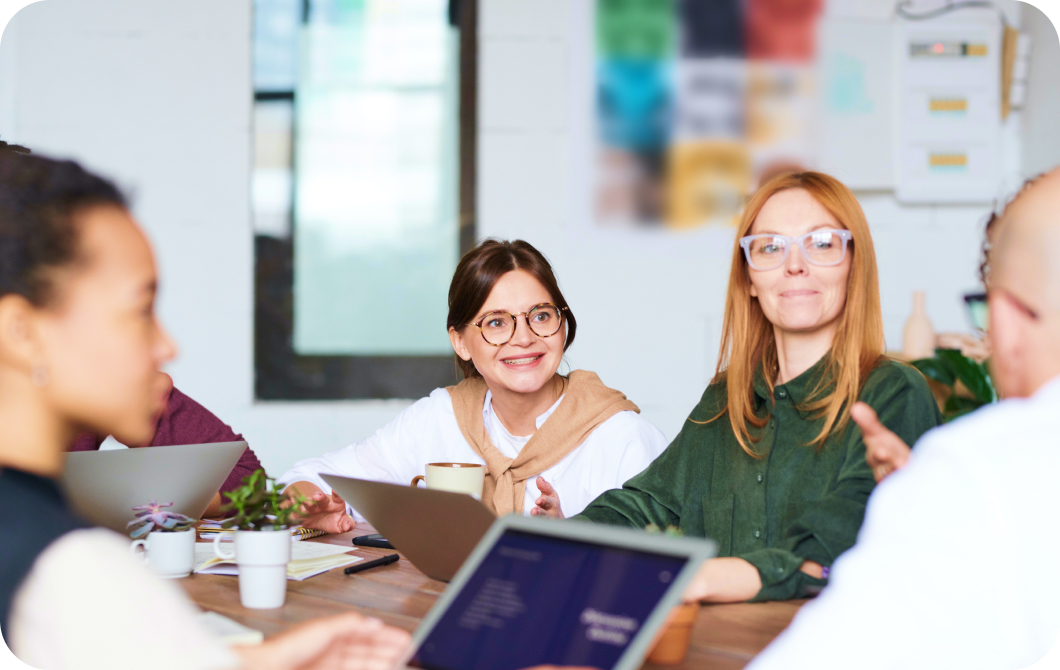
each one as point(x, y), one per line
point(885, 452)
point(323, 511)
point(724, 580)
point(548, 503)
point(346, 642)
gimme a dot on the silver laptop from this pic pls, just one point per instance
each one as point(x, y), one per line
point(435, 530)
point(104, 486)
point(566, 593)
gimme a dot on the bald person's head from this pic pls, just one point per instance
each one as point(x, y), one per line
point(1024, 288)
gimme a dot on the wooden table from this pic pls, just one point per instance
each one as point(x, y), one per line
point(724, 637)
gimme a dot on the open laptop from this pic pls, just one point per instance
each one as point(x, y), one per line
point(435, 530)
point(104, 486)
point(566, 593)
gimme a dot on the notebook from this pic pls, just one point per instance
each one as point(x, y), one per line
point(308, 559)
point(210, 528)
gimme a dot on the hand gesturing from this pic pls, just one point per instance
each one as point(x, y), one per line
point(885, 452)
point(548, 503)
point(326, 512)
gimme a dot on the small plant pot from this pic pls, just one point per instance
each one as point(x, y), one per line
point(262, 557)
point(169, 555)
point(671, 646)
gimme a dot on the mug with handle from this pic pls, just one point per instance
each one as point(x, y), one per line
point(457, 477)
point(168, 554)
point(262, 557)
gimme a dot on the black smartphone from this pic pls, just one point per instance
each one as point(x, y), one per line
point(374, 540)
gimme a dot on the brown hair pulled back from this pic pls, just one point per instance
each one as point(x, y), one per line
point(477, 274)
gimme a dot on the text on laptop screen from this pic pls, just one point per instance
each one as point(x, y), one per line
point(542, 600)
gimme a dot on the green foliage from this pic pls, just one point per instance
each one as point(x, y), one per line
point(950, 366)
point(259, 504)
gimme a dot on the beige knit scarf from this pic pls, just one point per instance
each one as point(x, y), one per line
point(586, 405)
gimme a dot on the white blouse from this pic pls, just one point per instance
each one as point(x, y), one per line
point(88, 603)
point(427, 432)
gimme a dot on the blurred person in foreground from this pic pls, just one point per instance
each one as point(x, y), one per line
point(885, 451)
point(80, 350)
point(768, 464)
point(181, 421)
point(954, 564)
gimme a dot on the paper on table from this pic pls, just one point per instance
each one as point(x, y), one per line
point(230, 632)
point(307, 559)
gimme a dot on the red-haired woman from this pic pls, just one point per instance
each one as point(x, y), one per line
point(768, 464)
point(537, 432)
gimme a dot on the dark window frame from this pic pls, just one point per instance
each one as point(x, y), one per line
point(280, 373)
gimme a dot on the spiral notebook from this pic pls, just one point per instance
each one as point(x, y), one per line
point(209, 529)
point(307, 560)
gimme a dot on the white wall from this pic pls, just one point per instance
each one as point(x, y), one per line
point(1041, 132)
point(157, 95)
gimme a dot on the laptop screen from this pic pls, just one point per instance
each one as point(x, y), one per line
point(543, 600)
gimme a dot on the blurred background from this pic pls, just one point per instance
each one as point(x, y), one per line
point(311, 170)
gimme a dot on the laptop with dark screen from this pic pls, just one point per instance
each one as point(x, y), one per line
point(544, 592)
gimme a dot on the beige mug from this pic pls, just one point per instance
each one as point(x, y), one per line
point(457, 477)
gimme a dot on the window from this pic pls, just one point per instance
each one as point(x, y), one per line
point(362, 193)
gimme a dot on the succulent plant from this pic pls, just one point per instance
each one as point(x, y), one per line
point(153, 518)
point(259, 504)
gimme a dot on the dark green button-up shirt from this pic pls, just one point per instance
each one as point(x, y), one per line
point(796, 501)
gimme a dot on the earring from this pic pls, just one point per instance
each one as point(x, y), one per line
point(40, 376)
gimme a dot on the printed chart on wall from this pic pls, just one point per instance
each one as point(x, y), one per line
point(696, 101)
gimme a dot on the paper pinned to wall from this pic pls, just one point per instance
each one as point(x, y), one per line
point(856, 73)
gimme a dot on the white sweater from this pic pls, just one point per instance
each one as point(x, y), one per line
point(427, 432)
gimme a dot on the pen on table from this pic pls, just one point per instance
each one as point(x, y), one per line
point(386, 560)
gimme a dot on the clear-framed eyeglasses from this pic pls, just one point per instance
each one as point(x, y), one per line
point(498, 328)
point(819, 247)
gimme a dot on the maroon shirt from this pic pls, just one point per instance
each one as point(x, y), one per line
point(185, 421)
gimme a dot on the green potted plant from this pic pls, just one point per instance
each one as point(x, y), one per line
point(262, 516)
point(967, 381)
point(671, 644)
point(167, 538)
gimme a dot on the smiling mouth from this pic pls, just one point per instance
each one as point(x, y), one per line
point(521, 361)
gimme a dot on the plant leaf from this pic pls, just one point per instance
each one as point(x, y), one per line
point(936, 369)
point(973, 375)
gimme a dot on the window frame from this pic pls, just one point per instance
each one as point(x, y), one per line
point(282, 374)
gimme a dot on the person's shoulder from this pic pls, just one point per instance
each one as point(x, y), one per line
point(891, 377)
point(1008, 428)
point(714, 401)
point(629, 426)
point(86, 548)
point(998, 453)
point(890, 371)
point(437, 403)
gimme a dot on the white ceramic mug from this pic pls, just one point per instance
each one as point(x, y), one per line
point(168, 554)
point(262, 557)
point(457, 477)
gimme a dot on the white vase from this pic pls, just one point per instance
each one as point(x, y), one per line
point(168, 555)
point(918, 337)
point(262, 557)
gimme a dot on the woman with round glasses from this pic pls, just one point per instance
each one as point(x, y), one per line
point(768, 463)
point(537, 432)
